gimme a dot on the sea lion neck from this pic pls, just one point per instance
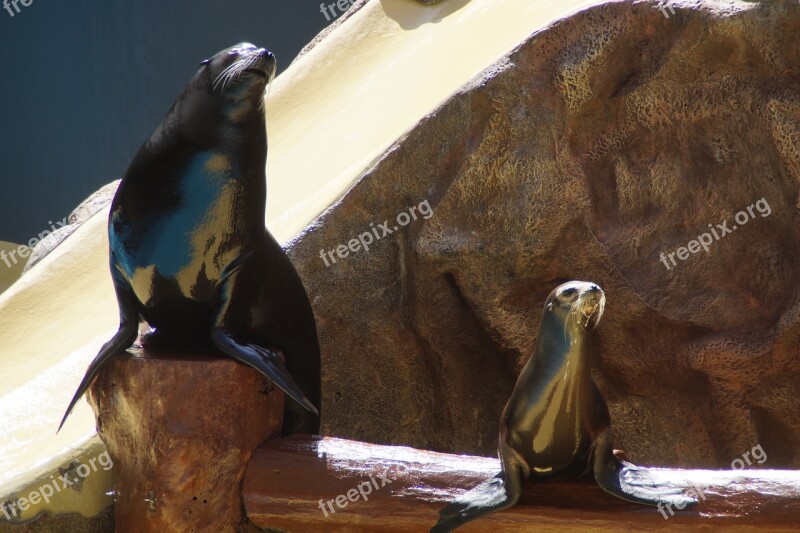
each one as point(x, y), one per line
point(562, 334)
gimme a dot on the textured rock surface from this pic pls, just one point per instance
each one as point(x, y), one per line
point(601, 142)
point(180, 431)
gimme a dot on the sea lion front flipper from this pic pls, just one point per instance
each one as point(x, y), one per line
point(266, 361)
point(121, 341)
point(630, 482)
point(495, 494)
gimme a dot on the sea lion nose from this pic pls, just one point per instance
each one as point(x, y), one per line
point(268, 58)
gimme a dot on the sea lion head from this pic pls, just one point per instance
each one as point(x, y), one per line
point(577, 302)
point(243, 70)
point(227, 88)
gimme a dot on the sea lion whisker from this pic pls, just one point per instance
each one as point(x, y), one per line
point(232, 76)
point(247, 62)
point(570, 314)
point(226, 74)
point(234, 72)
point(227, 79)
point(237, 69)
point(252, 61)
point(240, 66)
point(229, 76)
point(585, 325)
point(582, 318)
point(225, 71)
point(221, 76)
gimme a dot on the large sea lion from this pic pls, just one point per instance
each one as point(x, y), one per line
point(189, 252)
point(556, 424)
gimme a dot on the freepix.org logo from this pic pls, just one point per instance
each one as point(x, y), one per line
point(363, 241)
point(23, 251)
point(12, 6)
point(704, 240)
point(342, 5)
point(68, 478)
point(364, 489)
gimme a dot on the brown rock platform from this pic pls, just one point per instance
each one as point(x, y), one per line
point(180, 430)
point(287, 480)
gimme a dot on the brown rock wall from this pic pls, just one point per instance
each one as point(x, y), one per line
point(603, 141)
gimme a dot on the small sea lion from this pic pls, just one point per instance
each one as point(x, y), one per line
point(556, 424)
point(189, 252)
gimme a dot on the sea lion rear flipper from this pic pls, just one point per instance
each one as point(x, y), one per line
point(121, 341)
point(491, 495)
point(266, 361)
point(629, 482)
point(495, 494)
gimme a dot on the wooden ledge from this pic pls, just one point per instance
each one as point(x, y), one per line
point(289, 481)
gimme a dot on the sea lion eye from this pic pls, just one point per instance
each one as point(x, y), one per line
point(569, 294)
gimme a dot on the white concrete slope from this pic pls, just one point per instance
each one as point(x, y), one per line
point(329, 116)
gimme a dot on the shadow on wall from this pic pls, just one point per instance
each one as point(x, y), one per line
point(407, 15)
point(10, 270)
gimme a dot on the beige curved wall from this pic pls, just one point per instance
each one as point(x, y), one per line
point(344, 103)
